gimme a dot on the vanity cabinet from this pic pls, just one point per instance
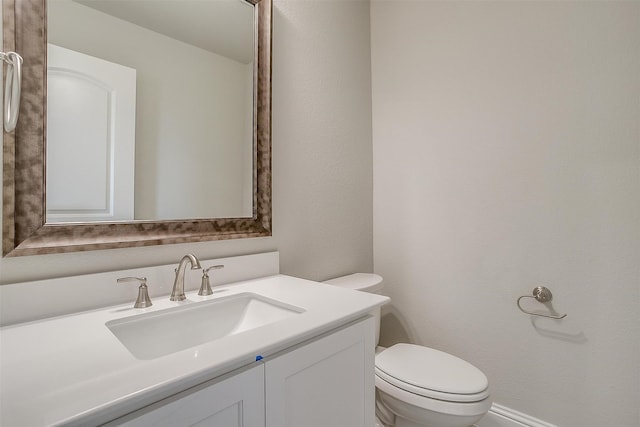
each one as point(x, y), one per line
point(235, 400)
point(325, 381)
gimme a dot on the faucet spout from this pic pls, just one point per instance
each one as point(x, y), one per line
point(178, 285)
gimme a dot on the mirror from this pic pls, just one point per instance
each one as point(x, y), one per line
point(31, 227)
point(151, 103)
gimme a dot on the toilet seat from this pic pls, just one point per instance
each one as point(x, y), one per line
point(431, 373)
point(422, 409)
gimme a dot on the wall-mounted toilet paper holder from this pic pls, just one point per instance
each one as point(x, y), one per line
point(540, 294)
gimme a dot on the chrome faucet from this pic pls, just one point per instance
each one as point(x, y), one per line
point(178, 285)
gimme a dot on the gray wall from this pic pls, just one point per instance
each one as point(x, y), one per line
point(506, 148)
point(322, 157)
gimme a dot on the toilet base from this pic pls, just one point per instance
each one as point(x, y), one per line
point(401, 422)
point(413, 416)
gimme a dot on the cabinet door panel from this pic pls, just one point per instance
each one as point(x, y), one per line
point(328, 382)
point(237, 401)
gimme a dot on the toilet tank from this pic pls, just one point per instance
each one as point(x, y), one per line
point(365, 282)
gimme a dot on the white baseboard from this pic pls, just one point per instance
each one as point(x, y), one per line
point(501, 416)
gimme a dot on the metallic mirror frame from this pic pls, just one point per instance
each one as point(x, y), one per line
point(24, 231)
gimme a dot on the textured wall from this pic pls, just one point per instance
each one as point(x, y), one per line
point(506, 147)
point(322, 181)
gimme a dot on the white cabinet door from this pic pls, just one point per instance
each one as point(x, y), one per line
point(237, 400)
point(328, 382)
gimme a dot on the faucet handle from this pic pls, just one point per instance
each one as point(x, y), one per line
point(205, 286)
point(143, 299)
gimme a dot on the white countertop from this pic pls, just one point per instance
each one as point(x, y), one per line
point(72, 370)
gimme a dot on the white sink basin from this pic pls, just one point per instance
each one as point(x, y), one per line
point(151, 335)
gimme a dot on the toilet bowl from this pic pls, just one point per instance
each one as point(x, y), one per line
point(418, 386)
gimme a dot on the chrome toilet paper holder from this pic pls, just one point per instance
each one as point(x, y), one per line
point(543, 295)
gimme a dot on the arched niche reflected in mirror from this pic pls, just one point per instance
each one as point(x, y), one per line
point(167, 115)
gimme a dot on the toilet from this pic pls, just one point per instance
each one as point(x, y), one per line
point(418, 386)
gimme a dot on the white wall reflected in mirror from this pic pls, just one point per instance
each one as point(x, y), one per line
point(194, 107)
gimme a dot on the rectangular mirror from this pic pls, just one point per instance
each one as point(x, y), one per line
point(160, 122)
point(136, 129)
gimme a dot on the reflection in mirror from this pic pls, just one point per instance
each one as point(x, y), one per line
point(25, 230)
point(151, 103)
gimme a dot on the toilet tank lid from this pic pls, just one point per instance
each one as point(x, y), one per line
point(366, 282)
